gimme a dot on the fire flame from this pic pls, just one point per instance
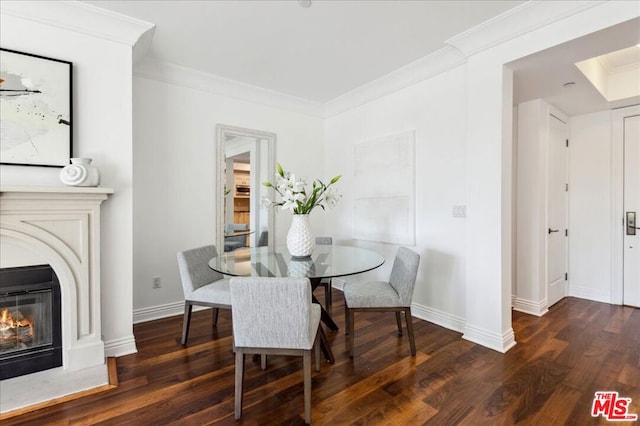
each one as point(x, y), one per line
point(7, 322)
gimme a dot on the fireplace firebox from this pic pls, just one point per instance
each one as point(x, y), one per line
point(30, 320)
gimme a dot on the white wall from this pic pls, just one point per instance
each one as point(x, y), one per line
point(530, 294)
point(465, 273)
point(464, 113)
point(590, 203)
point(531, 218)
point(488, 319)
point(102, 131)
point(174, 176)
point(435, 109)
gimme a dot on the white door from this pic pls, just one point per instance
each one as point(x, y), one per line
point(631, 277)
point(556, 211)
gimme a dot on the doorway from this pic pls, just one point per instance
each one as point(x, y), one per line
point(631, 209)
point(557, 248)
point(245, 160)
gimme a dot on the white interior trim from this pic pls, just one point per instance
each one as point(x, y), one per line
point(433, 64)
point(81, 18)
point(198, 80)
point(500, 343)
point(515, 22)
point(531, 307)
point(617, 198)
point(59, 226)
point(435, 316)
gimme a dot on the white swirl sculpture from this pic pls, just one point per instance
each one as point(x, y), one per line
point(80, 173)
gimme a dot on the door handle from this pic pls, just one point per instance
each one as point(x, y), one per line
point(631, 223)
point(553, 230)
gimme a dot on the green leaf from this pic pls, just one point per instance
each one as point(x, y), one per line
point(335, 179)
point(267, 184)
point(280, 169)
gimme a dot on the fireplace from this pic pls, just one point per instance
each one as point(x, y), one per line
point(58, 227)
point(30, 321)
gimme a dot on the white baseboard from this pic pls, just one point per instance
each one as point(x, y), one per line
point(501, 343)
point(338, 283)
point(127, 345)
point(589, 294)
point(443, 319)
point(157, 312)
point(435, 316)
point(440, 318)
point(162, 311)
point(529, 306)
point(120, 347)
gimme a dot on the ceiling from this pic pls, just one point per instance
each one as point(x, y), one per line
point(316, 53)
point(543, 74)
point(325, 50)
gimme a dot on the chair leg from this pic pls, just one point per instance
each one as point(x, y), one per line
point(306, 366)
point(216, 311)
point(316, 347)
point(346, 318)
point(399, 322)
point(239, 379)
point(263, 362)
point(185, 322)
point(409, 318)
point(351, 333)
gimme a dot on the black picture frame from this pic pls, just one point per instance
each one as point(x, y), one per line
point(36, 110)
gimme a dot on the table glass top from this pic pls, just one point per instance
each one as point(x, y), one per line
point(326, 261)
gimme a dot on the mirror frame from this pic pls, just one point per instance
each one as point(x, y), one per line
point(222, 130)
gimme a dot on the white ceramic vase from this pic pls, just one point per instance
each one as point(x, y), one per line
point(80, 173)
point(300, 241)
point(300, 268)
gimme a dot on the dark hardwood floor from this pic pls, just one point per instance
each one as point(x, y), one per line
point(548, 378)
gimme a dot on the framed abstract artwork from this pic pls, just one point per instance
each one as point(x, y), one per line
point(35, 110)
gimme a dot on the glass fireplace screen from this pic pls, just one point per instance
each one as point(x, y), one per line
point(25, 321)
point(30, 320)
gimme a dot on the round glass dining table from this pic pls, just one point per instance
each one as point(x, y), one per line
point(327, 261)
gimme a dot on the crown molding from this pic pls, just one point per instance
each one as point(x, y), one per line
point(611, 70)
point(524, 18)
point(198, 80)
point(82, 18)
point(515, 22)
point(435, 63)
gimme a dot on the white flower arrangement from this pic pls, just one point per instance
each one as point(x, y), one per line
point(294, 195)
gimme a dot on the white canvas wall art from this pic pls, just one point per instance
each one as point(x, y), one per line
point(35, 110)
point(384, 210)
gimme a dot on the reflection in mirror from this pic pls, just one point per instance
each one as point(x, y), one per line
point(245, 160)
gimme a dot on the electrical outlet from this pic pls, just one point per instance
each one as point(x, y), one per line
point(460, 211)
point(156, 282)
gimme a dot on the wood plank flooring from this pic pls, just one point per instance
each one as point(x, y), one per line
point(548, 378)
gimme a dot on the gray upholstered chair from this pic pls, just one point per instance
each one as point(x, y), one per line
point(325, 282)
point(392, 296)
point(263, 240)
point(274, 316)
point(201, 284)
point(233, 242)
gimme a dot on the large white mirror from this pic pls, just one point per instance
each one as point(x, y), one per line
point(246, 158)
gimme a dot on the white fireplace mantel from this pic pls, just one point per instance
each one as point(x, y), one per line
point(59, 226)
